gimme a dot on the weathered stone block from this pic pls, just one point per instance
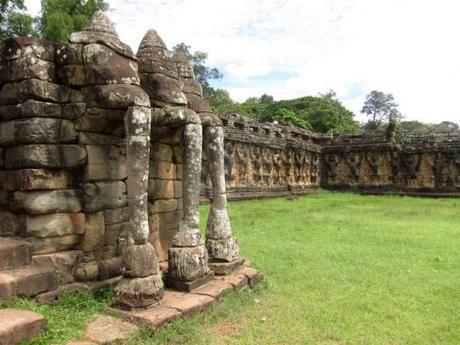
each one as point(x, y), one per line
point(17, 47)
point(177, 154)
point(179, 172)
point(140, 261)
point(166, 135)
point(52, 225)
point(86, 138)
point(161, 152)
point(72, 75)
point(53, 244)
point(156, 63)
point(103, 66)
point(14, 253)
point(46, 202)
point(108, 330)
point(161, 189)
point(104, 195)
point(116, 215)
point(105, 163)
point(19, 326)
point(162, 89)
point(187, 263)
point(161, 206)
point(113, 232)
point(33, 108)
point(13, 93)
point(174, 116)
point(100, 120)
point(37, 131)
point(68, 54)
point(178, 189)
point(162, 170)
point(26, 68)
point(115, 96)
point(8, 224)
point(63, 263)
point(94, 236)
point(35, 179)
point(44, 156)
point(198, 104)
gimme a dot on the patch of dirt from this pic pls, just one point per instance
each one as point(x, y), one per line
point(229, 329)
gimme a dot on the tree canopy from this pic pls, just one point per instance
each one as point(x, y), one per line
point(57, 19)
point(61, 17)
point(380, 108)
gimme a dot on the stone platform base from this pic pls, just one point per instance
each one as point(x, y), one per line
point(178, 304)
point(225, 268)
point(191, 285)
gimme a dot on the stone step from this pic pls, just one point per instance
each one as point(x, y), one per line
point(14, 253)
point(27, 281)
point(18, 326)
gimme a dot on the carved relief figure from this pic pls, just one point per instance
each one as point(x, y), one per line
point(228, 160)
point(411, 164)
point(299, 158)
point(331, 161)
point(256, 163)
point(267, 162)
point(242, 154)
point(354, 160)
point(277, 164)
point(374, 160)
point(288, 156)
point(306, 170)
point(314, 166)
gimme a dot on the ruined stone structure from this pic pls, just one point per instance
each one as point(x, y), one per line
point(101, 154)
point(263, 159)
point(104, 155)
point(417, 165)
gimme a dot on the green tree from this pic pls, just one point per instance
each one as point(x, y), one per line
point(17, 23)
point(286, 116)
point(7, 6)
point(323, 113)
point(380, 108)
point(14, 20)
point(61, 17)
point(221, 102)
point(203, 73)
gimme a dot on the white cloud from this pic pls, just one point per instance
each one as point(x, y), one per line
point(405, 47)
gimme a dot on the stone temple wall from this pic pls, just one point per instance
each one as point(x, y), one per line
point(418, 165)
point(63, 154)
point(63, 151)
point(262, 159)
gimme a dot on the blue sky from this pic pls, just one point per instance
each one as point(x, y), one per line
point(293, 48)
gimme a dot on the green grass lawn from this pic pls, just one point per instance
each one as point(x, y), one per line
point(339, 269)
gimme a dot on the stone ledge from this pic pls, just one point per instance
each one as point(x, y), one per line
point(180, 304)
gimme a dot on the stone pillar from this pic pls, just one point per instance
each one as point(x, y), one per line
point(188, 257)
point(142, 284)
point(223, 249)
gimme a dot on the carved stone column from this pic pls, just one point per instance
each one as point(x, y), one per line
point(142, 284)
point(223, 249)
point(112, 82)
point(188, 257)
